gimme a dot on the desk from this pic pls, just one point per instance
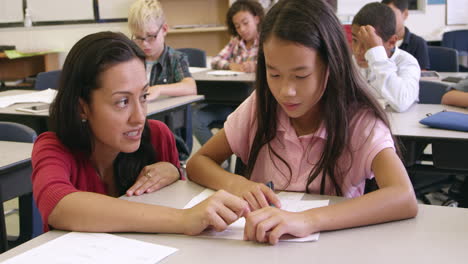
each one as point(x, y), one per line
point(406, 124)
point(451, 74)
point(15, 181)
point(449, 148)
point(14, 69)
point(157, 109)
point(436, 235)
point(224, 89)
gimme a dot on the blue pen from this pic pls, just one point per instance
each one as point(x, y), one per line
point(272, 187)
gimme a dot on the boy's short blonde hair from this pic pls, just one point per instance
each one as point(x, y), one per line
point(144, 12)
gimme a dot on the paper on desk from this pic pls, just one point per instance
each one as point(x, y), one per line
point(45, 96)
point(224, 73)
point(96, 248)
point(290, 201)
point(197, 69)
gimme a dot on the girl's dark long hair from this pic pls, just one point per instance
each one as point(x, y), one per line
point(83, 66)
point(313, 24)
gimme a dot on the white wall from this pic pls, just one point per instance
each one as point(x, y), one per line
point(54, 37)
point(429, 24)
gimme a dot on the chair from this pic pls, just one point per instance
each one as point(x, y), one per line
point(443, 59)
point(457, 39)
point(348, 34)
point(196, 57)
point(431, 92)
point(45, 80)
point(29, 217)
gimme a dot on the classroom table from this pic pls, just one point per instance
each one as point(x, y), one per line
point(15, 69)
point(444, 75)
point(406, 124)
point(15, 181)
point(449, 148)
point(436, 235)
point(162, 109)
point(231, 89)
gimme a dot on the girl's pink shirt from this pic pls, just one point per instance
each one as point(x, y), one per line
point(368, 136)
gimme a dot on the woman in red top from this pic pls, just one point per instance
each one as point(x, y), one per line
point(103, 147)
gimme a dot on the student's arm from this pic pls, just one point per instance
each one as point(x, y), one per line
point(456, 98)
point(92, 212)
point(186, 86)
point(222, 61)
point(398, 84)
point(394, 200)
point(203, 168)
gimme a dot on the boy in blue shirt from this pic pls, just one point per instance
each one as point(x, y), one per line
point(410, 42)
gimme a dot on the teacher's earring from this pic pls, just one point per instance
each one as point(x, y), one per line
point(83, 120)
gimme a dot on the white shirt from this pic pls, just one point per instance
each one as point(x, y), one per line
point(394, 79)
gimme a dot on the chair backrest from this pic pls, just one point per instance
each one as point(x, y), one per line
point(10, 131)
point(348, 34)
point(197, 57)
point(443, 59)
point(431, 92)
point(45, 80)
point(457, 39)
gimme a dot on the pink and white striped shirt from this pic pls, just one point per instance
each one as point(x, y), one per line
point(234, 52)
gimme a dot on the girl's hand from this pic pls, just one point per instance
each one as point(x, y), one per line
point(217, 212)
point(258, 195)
point(235, 67)
point(153, 177)
point(248, 66)
point(269, 224)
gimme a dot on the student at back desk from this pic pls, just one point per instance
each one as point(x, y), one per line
point(167, 69)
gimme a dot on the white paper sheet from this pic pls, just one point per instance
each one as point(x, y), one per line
point(290, 201)
point(45, 96)
point(92, 248)
point(197, 69)
point(225, 73)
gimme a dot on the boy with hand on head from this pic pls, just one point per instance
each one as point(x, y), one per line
point(167, 69)
point(393, 74)
point(410, 42)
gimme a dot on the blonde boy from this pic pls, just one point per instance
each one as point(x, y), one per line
point(167, 69)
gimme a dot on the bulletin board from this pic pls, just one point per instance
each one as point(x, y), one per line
point(113, 10)
point(457, 11)
point(11, 11)
point(50, 11)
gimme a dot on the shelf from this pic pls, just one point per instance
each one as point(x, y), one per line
point(197, 30)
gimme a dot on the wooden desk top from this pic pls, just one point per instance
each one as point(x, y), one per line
point(14, 153)
point(436, 235)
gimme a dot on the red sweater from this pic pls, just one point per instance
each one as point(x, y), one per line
point(58, 172)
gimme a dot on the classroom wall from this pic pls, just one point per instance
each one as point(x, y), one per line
point(54, 37)
point(429, 24)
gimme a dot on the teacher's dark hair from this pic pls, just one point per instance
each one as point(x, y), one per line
point(86, 61)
